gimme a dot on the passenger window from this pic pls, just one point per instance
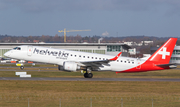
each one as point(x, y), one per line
point(124, 61)
point(79, 55)
point(83, 56)
point(132, 62)
point(75, 55)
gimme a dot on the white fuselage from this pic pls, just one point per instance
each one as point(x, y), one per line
point(59, 56)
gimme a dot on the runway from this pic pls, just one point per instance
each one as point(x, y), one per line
point(89, 79)
point(77, 79)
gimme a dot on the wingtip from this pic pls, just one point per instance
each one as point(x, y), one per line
point(116, 57)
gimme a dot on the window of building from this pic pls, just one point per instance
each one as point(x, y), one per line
point(176, 52)
point(114, 48)
point(175, 58)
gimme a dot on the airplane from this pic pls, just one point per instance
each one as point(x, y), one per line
point(68, 60)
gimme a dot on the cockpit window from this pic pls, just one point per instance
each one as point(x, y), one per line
point(17, 48)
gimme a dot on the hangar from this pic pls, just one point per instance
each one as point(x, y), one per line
point(101, 48)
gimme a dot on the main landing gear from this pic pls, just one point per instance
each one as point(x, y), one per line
point(88, 73)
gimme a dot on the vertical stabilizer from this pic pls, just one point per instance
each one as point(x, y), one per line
point(163, 54)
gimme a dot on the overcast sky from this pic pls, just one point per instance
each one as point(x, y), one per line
point(159, 18)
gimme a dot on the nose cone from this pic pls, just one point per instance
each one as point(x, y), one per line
point(7, 54)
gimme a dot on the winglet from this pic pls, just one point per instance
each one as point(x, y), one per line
point(116, 57)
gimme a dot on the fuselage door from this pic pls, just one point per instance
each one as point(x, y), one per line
point(29, 50)
point(138, 64)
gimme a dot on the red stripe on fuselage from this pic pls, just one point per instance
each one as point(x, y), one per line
point(147, 66)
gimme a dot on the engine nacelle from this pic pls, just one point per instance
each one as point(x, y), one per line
point(70, 66)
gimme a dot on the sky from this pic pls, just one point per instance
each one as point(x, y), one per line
point(112, 18)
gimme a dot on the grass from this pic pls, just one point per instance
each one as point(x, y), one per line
point(85, 93)
point(74, 93)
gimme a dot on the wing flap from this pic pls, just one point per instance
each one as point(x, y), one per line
point(99, 63)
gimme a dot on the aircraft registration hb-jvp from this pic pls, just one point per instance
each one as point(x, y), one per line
point(72, 60)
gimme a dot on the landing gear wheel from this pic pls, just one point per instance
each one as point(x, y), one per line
point(85, 75)
point(90, 75)
point(21, 67)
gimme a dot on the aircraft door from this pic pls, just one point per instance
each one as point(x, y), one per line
point(138, 64)
point(29, 50)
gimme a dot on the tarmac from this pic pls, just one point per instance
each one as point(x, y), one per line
point(88, 79)
point(80, 79)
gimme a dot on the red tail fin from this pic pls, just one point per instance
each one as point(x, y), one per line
point(163, 54)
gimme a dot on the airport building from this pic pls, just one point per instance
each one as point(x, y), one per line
point(101, 48)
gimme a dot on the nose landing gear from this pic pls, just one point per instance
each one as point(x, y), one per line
point(21, 67)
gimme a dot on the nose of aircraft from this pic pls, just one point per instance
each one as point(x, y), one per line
point(7, 54)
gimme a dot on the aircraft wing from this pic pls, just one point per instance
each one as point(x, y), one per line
point(99, 63)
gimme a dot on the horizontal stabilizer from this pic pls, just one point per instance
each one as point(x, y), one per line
point(171, 65)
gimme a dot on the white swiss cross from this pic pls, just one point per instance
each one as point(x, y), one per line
point(164, 53)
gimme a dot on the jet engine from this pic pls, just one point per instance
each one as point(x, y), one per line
point(69, 66)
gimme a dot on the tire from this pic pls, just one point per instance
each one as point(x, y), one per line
point(21, 67)
point(85, 75)
point(90, 75)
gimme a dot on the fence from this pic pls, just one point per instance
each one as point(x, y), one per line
point(56, 101)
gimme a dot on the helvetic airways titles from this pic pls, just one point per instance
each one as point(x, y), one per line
point(60, 54)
